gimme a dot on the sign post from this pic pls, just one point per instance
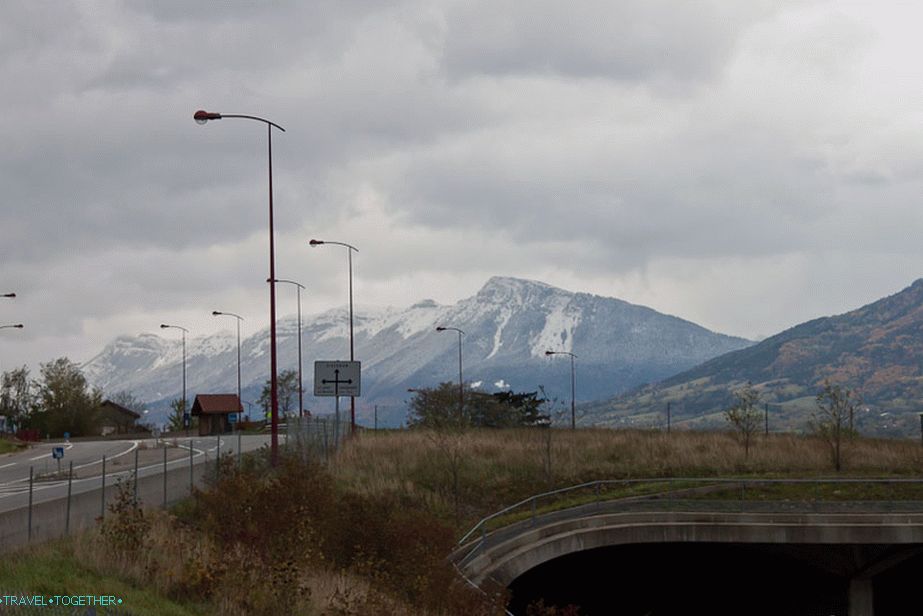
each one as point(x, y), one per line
point(337, 378)
point(57, 453)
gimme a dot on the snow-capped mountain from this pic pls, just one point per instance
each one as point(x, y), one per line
point(508, 325)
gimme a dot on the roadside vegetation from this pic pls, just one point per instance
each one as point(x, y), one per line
point(495, 468)
point(369, 532)
point(60, 401)
point(8, 446)
point(262, 541)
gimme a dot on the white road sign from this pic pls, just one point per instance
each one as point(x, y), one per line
point(337, 378)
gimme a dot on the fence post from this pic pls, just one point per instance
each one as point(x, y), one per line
point(102, 498)
point(239, 447)
point(191, 481)
point(596, 489)
point(218, 459)
point(30, 503)
point(136, 475)
point(533, 512)
point(70, 480)
point(165, 476)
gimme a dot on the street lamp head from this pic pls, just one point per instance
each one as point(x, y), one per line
point(549, 352)
point(9, 295)
point(440, 329)
point(316, 242)
point(201, 116)
point(216, 313)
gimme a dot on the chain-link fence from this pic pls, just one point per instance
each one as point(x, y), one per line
point(315, 438)
point(54, 501)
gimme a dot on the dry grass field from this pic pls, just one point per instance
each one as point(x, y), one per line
point(489, 469)
point(369, 533)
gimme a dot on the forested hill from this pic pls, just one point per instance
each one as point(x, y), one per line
point(876, 350)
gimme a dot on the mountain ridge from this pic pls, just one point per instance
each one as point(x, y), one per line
point(509, 324)
point(876, 350)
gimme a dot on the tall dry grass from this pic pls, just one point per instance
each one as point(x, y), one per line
point(178, 563)
point(499, 467)
point(266, 541)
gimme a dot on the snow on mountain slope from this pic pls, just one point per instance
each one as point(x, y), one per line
point(508, 325)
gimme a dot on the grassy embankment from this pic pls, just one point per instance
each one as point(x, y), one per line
point(369, 533)
point(8, 446)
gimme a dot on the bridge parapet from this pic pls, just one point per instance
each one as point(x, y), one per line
point(737, 510)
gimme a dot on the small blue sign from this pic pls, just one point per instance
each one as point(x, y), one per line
point(232, 418)
point(57, 453)
point(67, 436)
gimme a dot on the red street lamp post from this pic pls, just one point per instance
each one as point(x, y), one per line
point(202, 117)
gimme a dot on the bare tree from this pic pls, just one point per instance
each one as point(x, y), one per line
point(832, 419)
point(286, 393)
point(745, 415)
point(129, 400)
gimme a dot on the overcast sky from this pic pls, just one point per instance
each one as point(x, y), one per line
point(745, 165)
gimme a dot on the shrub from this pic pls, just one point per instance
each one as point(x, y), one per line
point(126, 529)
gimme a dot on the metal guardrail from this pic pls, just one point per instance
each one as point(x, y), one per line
point(674, 498)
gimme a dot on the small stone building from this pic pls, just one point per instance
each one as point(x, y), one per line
point(213, 411)
point(116, 419)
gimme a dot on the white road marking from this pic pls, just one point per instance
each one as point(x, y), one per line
point(21, 486)
point(134, 445)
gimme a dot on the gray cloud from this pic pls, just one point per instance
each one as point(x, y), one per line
point(636, 41)
point(655, 150)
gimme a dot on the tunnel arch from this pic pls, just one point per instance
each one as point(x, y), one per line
point(505, 555)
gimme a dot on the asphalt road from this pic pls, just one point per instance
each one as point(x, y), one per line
point(86, 457)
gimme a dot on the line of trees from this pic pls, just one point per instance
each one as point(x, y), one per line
point(440, 407)
point(59, 400)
